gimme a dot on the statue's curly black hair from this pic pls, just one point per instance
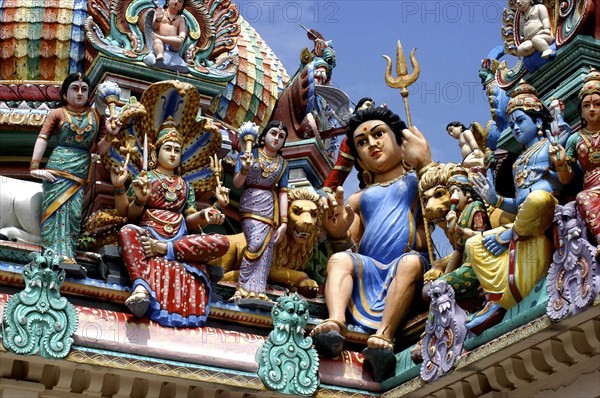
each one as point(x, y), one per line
point(375, 113)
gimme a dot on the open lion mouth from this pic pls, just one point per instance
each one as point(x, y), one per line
point(443, 308)
point(300, 234)
point(436, 220)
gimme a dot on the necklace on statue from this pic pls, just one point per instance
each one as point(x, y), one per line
point(267, 164)
point(521, 166)
point(171, 20)
point(81, 124)
point(592, 142)
point(170, 185)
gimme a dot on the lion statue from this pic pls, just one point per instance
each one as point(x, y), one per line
point(293, 253)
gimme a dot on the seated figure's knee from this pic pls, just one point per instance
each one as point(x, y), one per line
point(412, 266)
point(340, 260)
point(536, 214)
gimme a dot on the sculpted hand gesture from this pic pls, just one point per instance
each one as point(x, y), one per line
point(118, 176)
point(497, 244)
point(43, 174)
point(113, 126)
point(415, 148)
point(451, 220)
point(557, 154)
point(159, 14)
point(142, 187)
point(337, 217)
point(484, 187)
point(222, 195)
point(213, 216)
point(247, 159)
point(280, 233)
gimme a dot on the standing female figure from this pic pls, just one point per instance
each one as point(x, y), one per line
point(76, 126)
point(584, 147)
point(263, 174)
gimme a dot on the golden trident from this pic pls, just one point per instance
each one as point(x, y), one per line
point(404, 79)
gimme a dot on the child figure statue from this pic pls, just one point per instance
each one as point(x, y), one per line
point(535, 29)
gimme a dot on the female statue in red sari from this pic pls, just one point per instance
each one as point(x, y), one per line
point(165, 264)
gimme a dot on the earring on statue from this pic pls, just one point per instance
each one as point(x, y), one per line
point(367, 177)
point(540, 133)
point(152, 161)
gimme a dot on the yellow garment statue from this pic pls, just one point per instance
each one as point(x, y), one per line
point(533, 252)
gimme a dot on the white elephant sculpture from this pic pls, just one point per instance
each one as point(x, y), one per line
point(20, 210)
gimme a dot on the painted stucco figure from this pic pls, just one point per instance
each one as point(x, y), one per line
point(535, 29)
point(583, 148)
point(509, 260)
point(169, 32)
point(262, 174)
point(80, 131)
point(165, 263)
point(451, 204)
point(375, 286)
point(295, 257)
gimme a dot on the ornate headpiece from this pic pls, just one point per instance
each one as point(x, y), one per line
point(591, 84)
point(459, 177)
point(167, 132)
point(524, 97)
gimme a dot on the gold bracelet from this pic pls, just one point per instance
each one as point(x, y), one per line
point(499, 240)
point(245, 172)
point(499, 202)
point(34, 165)
point(340, 240)
point(284, 220)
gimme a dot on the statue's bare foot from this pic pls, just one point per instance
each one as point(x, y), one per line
point(330, 325)
point(547, 53)
point(380, 341)
point(159, 57)
point(238, 295)
point(264, 297)
point(139, 301)
point(329, 337)
point(153, 247)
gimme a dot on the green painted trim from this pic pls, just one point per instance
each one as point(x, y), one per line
point(139, 71)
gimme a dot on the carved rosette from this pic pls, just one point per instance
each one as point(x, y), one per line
point(574, 276)
point(38, 320)
point(445, 332)
point(287, 362)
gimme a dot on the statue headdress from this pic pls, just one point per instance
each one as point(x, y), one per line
point(171, 115)
point(459, 177)
point(525, 98)
point(591, 84)
point(167, 132)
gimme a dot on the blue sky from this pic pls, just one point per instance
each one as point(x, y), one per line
point(451, 37)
